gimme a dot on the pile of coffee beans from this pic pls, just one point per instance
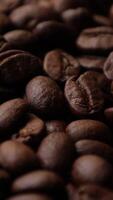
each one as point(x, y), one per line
point(56, 99)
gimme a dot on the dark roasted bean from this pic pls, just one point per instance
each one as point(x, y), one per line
point(45, 96)
point(92, 169)
point(89, 129)
point(84, 94)
point(60, 66)
point(56, 152)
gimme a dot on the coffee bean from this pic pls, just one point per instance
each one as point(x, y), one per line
point(84, 147)
point(77, 19)
point(56, 152)
point(45, 96)
point(96, 40)
point(55, 126)
point(92, 169)
point(8, 5)
point(17, 158)
point(100, 20)
point(53, 34)
point(92, 62)
point(11, 113)
point(21, 39)
point(60, 66)
point(89, 129)
point(30, 197)
point(32, 132)
point(84, 95)
point(28, 16)
point(94, 192)
point(18, 66)
point(61, 5)
point(39, 181)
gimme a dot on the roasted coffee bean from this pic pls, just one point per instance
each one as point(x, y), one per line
point(92, 62)
point(45, 96)
point(96, 40)
point(30, 196)
point(60, 66)
point(8, 5)
point(18, 66)
point(92, 169)
point(17, 158)
point(77, 19)
point(32, 132)
point(94, 192)
point(108, 67)
point(56, 152)
point(100, 20)
point(28, 16)
point(84, 95)
point(84, 147)
point(89, 129)
point(55, 126)
point(61, 5)
point(11, 113)
point(53, 34)
point(39, 181)
point(21, 39)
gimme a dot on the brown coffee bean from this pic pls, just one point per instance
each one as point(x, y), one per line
point(98, 40)
point(30, 196)
point(53, 34)
point(18, 66)
point(108, 67)
point(38, 181)
point(77, 19)
point(32, 132)
point(56, 152)
point(28, 16)
point(92, 169)
point(55, 126)
point(94, 192)
point(84, 147)
point(19, 38)
point(17, 158)
point(100, 20)
point(92, 62)
point(60, 66)
point(11, 113)
point(84, 95)
point(45, 96)
point(89, 129)
point(61, 5)
point(8, 5)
